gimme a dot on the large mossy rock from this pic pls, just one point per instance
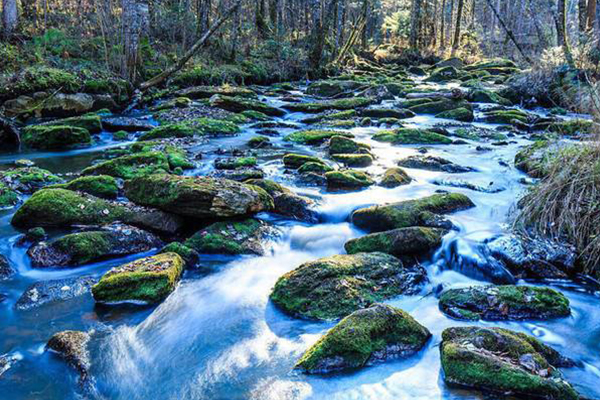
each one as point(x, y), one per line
point(55, 137)
point(487, 96)
point(353, 160)
point(341, 105)
point(496, 303)
point(80, 248)
point(369, 336)
point(411, 136)
point(28, 179)
point(131, 166)
point(437, 106)
point(241, 104)
point(387, 113)
point(535, 159)
point(286, 202)
point(8, 197)
point(315, 136)
point(344, 145)
point(149, 280)
point(418, 212)
point(232, 237)
point(206, 92)
point(90, 122)
point(398, 242)
point(433, 163)
point(507, 117)
point(328, 88)
point(333, 287)
point(199, 197)
point(103, 186)
point(444, 74)
point(348, 179)
point(295, 161)
point(503, 361)
point(394, 177)
point(55, 105)
point(458, 114)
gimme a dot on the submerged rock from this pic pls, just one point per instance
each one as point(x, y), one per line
point(128, 124)
point(365, 337)
point(149, 280)
point(495, 303)
point(198, 197)
point(233, 238)
point(288, 203)
point(6, 270)
point(419, 212)
point(333, 287)
point(398, 242)
point(72, 347)
point(53, 291)
point(411, 136)
point(503, 361)
point(85, 247)
point(433, 163)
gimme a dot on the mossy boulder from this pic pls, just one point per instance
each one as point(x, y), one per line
point(28, 179)
point(419, 212)
point(344, 145)
point(572, 127)
point(199, 197)
point(148, 280)
point(8, 197)
point(348, 179)
point(206, 92)
point(487, 96)
point(437, 106)
point(458, 114)
point(80, 248)
point(387, 113)
point(341, 104)
point(328, 88)
point(295, 161)
point(259, 142)
point(235, 163)
point(535, 159)
point(444, 74)
point(179, 130)
point(90, 122)
point(55, 137)
point(330, 116)
point(314, 167)
point(103, 186)
point(232, 237)
point(369, 336)
point(286, 202)
point(241, 104)
point(502, 361)
point(354, 160)
point(190, 256)
point(413, 240)
point(394, 177)
point(333, 287)
point(131, 166)
point(315, 136)
point(507, 117)
point(411, 136)
point(53, 105)
point(495, 303)
point(433, 163)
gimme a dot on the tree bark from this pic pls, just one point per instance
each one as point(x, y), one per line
point(562, 31)
point(509, 33)
point(10, 17)
point(320, 31)
point(135, 24)
point(457, 31)
point(415, 21)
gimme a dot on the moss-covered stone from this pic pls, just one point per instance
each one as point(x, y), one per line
point(287, 203)
point(179, 130)
point(345, 145)
point(315, 136)
point(444, 74)
point(365, 337)
point(387, 113)
point(190, 256)
point(330, 116)
point(439, 105)
point(348, 179)
point(394, 177)
point(235, 237)
point(398, 242)
point(295, 161)
point(258, 142)
point(433, 163)
point(38, 79)
point(503, 361)
point(572, 127)
point(55, 137)
point(235, 163)
point(103, 186)
point(535, 159)
point(314, 167)
point(329, 88)
point(8, 197)
point(493, 303)
point(149, 280)
point(28, 179)
point(199, 197)
point(241, 104)
point(90, 122)
point(509, 117)
point(255, 115)
point(177, 102)
point(486, 96)
point(418, 212)
point(341, 104)
point(354, 160)
point(459, 114)
point(206, 92)
point(333, 287)
point(411, 136)
point(131, 166)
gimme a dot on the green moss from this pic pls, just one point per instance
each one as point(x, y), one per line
point(313, 137)
point(505, 117)
point(38, 79)
point(348, 179)
point(121, 135)
point(355, 339)
point(127, 167)
point(444, 74)
point(398, 242)
point(8, 197)
point(344, 145)
point(459, 114)
point(535, 159)
point(295, 161)
point(354, 160)
point(149, 279)
point(314, 167)
point(256, 115)
point(387, 113)
point(60, 207)
point(177, 158)
point(215, 127)
point(85, 247)
point(341, 104)
point(241, 104)
point(487, 96)
point(439, 105)
point(236, 163)
point(233, 238)
point(179, 130)
point(573, 127)
point(55, 137)
point(259, 142)
point(411, 136)
point(394, 177)
point(100, 186)
point(341, 115)
point(27, 179)
point(90, 122)
point(190, 256)
point(339, 124)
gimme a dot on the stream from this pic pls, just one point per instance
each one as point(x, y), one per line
point(217, 336)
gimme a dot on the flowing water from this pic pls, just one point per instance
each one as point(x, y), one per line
point(218, 336)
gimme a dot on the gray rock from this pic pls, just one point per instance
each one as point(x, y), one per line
point(6, 270)
point(72, 346)
point(46, 292)
point(433, 163)
point(114, 124)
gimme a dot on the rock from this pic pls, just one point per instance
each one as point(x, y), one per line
point(55, 137)
point(487, 96)
point(378, 93)
point(414, 240)
point(387, 113)
point(344, 145)
point(451, 62)
point(148, 280)
point(333, 287)
point(8, 197)
point(436, 106)
point(329, 88)
point(535, 159)
point(190, 256)
point(411, 136)
point(10, 135)
point(131, 166)
point(44, 105)
point(206, 92)
point(433, 163)
point(508, 117)
point(128, 124)
point(33, 235)
point(330, 116)
point(240, 174)
point(316, 168)
point(53, 291)
point(341, 104)
point(103, 186)
point(494, 359)
point(459, 114)
point(287, 203)
point(170, 131)
point(6, 270)
point(72, 347)
point(418, 212)
point(235, 163)
point(7, 361)
point(259, 142)
point(369, 336)
point(240, 104)
point(416, 70)
point(295, 161)
point(347, 179)
point(491, 188)
point(444, 74)
point(234, 238)
point(573, 127)
point(354, 160)
point(314, 137)
point(508, 302)
point(394, 177)
point(90, 122)
point(198, 197)
point(28, 179)
point(85, 247)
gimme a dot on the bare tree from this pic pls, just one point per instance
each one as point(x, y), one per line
point(10, 17)
point(457, 32)
point(135, 23)
point(415, 21)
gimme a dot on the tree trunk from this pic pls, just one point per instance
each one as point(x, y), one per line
point(509, 33)
point(591, 14)
point(415, 21)
point(10, 17)
point(582, 15)
point(135, 24)
point(457, 31)
point(562, 31)
point(443, 26)
point(320, 31)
